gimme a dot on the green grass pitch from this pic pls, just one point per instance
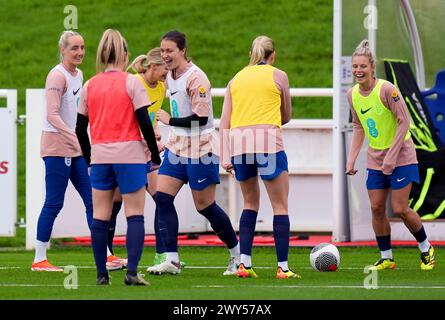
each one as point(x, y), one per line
point(202, 278)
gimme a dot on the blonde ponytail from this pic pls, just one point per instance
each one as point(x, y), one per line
point(363, 49)
point(112, 49)
point(262, 48)
point(143, 62)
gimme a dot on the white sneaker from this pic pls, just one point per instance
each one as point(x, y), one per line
point(165, 267)
point(232, 268)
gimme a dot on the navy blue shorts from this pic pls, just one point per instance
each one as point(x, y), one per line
point(199, 173)
point(130, 177)
point(268, 165)
point(400, 178)
point(149, 169)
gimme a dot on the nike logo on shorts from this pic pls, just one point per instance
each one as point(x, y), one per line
point(400, 180)
point(202, 180)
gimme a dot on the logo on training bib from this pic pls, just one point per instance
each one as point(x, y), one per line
point(175, 111)
point(202, 92)
point(378, 109)
point(152, 103)
point(395, 95)
point(364, 111)
point(371, 128)
point(75, 91)
point(152, 117)
point(68, 162)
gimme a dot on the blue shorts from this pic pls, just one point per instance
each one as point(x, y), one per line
point(400, 178)
point(149, 170)
point(269, 166)
point(199, 173)
point(129, 177)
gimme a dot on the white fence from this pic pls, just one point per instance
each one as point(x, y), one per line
point(313, 200)
point(308, 145)
point(8, 163)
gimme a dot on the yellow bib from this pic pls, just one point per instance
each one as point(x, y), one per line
point(255, 97)
point(156, 96)
point(378, 122)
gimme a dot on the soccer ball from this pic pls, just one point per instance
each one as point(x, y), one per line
point(325, 257)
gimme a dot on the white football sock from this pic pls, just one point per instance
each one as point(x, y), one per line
point(173, 256)
point(234, 252)
point(40, 251)
point(387, 254)
point(424, 246)
point(283, 265)
point(108, 252)
point(246, 260)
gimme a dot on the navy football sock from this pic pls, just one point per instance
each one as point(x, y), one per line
point(220, 223)
point(112, 226)
point(99, 229)
point(167, 221)
point(247, 231)
point(420, 235)
point(135, 241)
point(159, 244)
point(384, 242)
point(281, 232)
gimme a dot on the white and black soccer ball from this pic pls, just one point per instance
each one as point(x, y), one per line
point(325, 257)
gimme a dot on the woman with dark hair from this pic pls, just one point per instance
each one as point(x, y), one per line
point(190, 154)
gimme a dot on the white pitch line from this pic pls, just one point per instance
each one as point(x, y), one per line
point(213, 267)
point(322, 287)
point(40, 285)
point(250, 286)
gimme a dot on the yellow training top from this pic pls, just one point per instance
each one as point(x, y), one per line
point(156, 96)
point(255, 97)
point(378, 122)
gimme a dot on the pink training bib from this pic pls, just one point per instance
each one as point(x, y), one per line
point(110, 109)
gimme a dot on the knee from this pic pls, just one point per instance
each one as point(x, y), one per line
point(52, 208)
point(378, 211)
point(401, 211)
point(202, 204)
point(163, 199)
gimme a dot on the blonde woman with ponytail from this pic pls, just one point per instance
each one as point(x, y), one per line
point(257, 103)
point(151, 70)
point(380, 114)
point(114, 104)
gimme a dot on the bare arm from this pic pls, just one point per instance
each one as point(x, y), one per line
point(224, 129)
point(282, 82)
point(358, 136)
